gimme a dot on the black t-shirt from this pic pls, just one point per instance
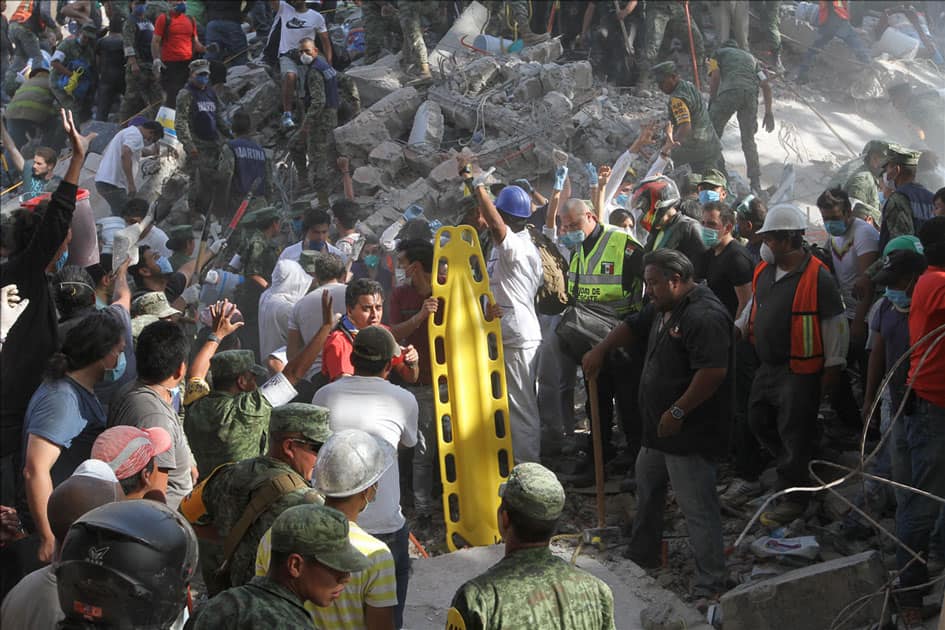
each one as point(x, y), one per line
point(112, 66)
point(538, 217)
point(727, 270)
point(699, 334)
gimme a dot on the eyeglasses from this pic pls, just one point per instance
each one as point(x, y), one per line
point(309, 445)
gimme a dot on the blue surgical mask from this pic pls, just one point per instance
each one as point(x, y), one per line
point(372, 260)
point(181, 7)
point(709, 236)
point(297, 226)
point(115, 373)
point(708, 196)
point(622, 200)
point(899, 298)
point(572, 239)
point(139, 10)
point(202, 79)
point(316, 245)
point(100, 303)
point(164, 265)
point(836, 227)
point(62, 260)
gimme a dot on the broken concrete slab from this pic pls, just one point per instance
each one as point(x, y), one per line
point(573, 80)
point(388, 157)
point(427, 131)
point(821, 591)
point(470, 23)
point(359, 137)
point(397, 110)
point(419, 192)
point(366, 180)
point(261, 102)
point(478, 75)
point(545, 52)
point(377, 80)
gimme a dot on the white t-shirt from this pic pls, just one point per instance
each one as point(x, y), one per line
point(156, 239)
point(306, 316)
point(862, 238)
point(385, 411)
point(109, 169)
point(514, 276)
point(297, 26)
point(292, 252)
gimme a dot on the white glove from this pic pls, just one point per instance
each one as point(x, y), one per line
point(158, 65)
point(480, 179)
point(191, 294)
point(217, 245)
point(11, 307)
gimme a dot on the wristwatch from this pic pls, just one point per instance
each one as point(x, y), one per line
point(212, 337)
point(676, 412)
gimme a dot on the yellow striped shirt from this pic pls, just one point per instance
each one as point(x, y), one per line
point(376, 586)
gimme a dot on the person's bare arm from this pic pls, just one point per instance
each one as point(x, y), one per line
point(41, 455)
point(294, 344)
point(61, 68)
point(406, 328)
point(379, 618)
point(586, 22)
point(864, 292)
point(874, 373)
point(15, 156)
point(295, 369)
point(619, 337)
point(79, 144)
point(743, 293)
point(128, 166)
point(121, 292)
point(703, 385)
point(156, 46)
point(715, 77)
point(603, 176)
point(80, 11)
point(409, 370)
point(326, 42)
point(497, 227)
point(769, 114)
point(347, 184)
point(221, 312)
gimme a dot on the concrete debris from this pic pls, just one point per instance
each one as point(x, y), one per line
point(262, 103)
point(477, 75)
point(545, 52)
point(396, 110)
point(427, 131)
point(822, 591)
point(377, 80)
point(359, 137)
point(366, 180)
point(388, 157)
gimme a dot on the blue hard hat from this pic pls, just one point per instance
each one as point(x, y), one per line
point(514, 201)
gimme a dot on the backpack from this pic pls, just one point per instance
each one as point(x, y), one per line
point(552, 297)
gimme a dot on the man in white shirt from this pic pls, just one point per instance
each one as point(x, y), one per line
point(115, 179)
point(295, 22)
point(315, 227)
point(367, 401)
point(514, 268)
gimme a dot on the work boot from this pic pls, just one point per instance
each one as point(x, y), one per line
point(530, 38)
point(423, 77)
point(782, 514)
point(740, 492)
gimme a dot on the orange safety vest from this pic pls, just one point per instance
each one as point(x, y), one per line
point(807, 342)
point(839, 7)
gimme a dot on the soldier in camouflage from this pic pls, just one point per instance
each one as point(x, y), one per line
point(512, 18)
point(380, 26)
point(769, 15)
point(199, 124)
point(243, 162)
point(910, 205)
point(697, 144)
point(143, 93)
point(857, 178)
point(296, 432)
point(72, 71)
point(531, 587)
point(322, 91)
point(734, 78)
point(312, 560)
point(258, 256)
point(659, 17)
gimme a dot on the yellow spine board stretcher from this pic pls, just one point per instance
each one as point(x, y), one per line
point(472, 411)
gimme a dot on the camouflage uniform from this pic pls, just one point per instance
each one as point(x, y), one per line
point(312, 531)
point(532, 588)
point(899, 217)
point(740, 76)
point(411, 12)
point(143, 91)
point(223, 427)
point(258, 257)
point(509, 18)
point(701, 149)
point(378, 29)
point(771, 23)
point(856, 180)
point(76, 56)
point(659, 17)
point(228, 493)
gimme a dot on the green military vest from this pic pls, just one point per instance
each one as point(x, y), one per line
point(599, 274)
point(702, 129)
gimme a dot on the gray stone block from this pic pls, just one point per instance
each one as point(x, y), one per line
point(397, 110)
point(428, 126)
point(366, 180)
point(377, 80)
point(359, 137)
point(387, 157)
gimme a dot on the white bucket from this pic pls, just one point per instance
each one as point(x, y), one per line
point(897, 45)
point(497, 45)
point(166, 117)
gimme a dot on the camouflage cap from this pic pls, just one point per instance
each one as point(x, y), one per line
point(319, 532)
point(308, 259)
point(875, 146)
point(262, 217)
point(154, 303)
point(232, 363)
point(375, 343)
point(714, 177)
point(863, 210)
point(898, 154)
point(299, 208)
point(141, 322)
point(662, 70)
point(309, 420)
point(534, 491)
point(199, 66)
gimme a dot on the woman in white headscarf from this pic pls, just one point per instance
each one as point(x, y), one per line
point(290, 283)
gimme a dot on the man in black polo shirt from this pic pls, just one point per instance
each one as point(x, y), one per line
point(685, 401)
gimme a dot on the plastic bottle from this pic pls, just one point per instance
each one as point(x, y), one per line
point(389, 236)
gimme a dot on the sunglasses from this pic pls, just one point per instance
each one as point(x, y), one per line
point(309, 445)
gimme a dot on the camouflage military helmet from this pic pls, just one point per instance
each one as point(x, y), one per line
point(714, 177)
point(898, 154)
point(319, 532)
point(875, 146)
point(534, 491)
point(231, 363)
point(154, 303)
point(141, 322)
point(308, 259)
point(309, 420)
point(199, 66)
point(662, 70)
point(351, 461)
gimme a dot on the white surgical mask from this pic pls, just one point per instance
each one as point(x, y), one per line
point(306, 58)
point(888, 183)
point(766, 254)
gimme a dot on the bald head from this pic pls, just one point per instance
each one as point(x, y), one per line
point(576, 216)
point(74, 497)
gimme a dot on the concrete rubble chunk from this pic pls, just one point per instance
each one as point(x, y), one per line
point(366, 180)
point(361, 135)
point(445, 174)
point(419, 192)
point(572, 79)
point(528, 89)
point(261, 102)
point(427, 131)
point(396, 110)
point(558, 106)
point(817, 594)
point(479, 74)
point(470, 23)
point(387, 157)
point(377, 80)
point(544, 52)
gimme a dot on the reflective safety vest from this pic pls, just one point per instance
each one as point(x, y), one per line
point(839, 7)
point(599, 274)
point(807, 342)
point(24, 13)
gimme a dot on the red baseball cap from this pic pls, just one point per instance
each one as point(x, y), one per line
point(127, 450)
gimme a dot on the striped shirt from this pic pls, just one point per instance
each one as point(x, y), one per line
point(376, 586)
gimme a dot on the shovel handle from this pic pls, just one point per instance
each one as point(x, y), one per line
point(598, 451)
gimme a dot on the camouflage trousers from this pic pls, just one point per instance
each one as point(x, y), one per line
point(509, 18)
point(744, 104)
point(380, 31)
point(670, 16)
point(771, 23)
point(25, 47)
point(700, 156)
point(143, 93)
point(411, 25)
point(202, 171)
point(312, 147)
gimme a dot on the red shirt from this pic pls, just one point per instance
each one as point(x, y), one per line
point(336, 356)
point(926, 314)
point(405, 302)
point(177, 39)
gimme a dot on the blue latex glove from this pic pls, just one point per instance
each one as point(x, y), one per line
point(591, 173)
point(561, 174)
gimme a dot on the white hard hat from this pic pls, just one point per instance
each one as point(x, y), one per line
point(784, 217)
point(351, 461)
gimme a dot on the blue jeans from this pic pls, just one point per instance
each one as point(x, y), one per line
point(230, 39)
point(399, 543)
point(918, 457)
point(835, 26)
point(693, 479)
